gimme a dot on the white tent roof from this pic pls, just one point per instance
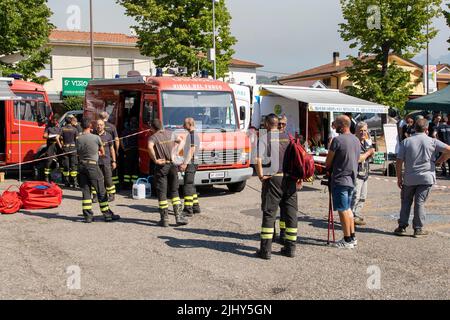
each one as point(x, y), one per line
point(326, 100)
point(5, 90)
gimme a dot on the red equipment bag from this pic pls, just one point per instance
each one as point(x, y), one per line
point(297, 162)
point(10, 202)
point(40, 195)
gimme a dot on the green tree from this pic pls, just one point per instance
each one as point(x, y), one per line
point(73, 103)
point(176, 32)
point(447, 16)
point(24, 32)
point(379, 28)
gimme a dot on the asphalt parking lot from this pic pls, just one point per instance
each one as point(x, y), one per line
point(213, 257)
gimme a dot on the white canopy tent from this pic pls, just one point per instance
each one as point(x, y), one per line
point(321, 100)
point(327, 100)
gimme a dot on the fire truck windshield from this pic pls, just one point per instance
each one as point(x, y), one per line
point(210, 110)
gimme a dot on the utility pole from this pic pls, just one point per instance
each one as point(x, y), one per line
point(92, 38)
point(428, 55)
point(214, 37)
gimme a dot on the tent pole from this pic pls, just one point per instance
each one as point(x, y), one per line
point(307, 128)
point(20, 147)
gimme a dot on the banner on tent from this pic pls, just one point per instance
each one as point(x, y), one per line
point(343, 108)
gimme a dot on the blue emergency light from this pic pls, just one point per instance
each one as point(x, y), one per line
point(16, 76)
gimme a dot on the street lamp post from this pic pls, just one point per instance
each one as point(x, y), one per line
point(214, 36)
point(428, 53)
point(92, 38)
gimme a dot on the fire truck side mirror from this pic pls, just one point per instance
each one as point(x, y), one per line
point(41, 119)
point(242, 113)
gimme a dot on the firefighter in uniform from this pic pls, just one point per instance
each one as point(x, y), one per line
point(278, 189)
point(282, 124)
point(76, 124)
point(161, 147)
point(189, 167)
point(69, 137)
point(89, 146)
point(112, 130)
point(52, 134)
point(107, 163)
point(131, 153)
point(443, 134)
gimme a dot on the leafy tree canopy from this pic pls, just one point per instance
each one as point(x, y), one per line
point(175, 32)
point(379, 28)
point(24, 31)
point(447, 16)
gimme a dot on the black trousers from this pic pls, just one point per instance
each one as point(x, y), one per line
point(70, 162)
point(131, 169)
point(107, 176)
point(52, 151)
point(444, 169)
point(166, 179)
point(280, 192)
point(189, 190)
point(91, 176)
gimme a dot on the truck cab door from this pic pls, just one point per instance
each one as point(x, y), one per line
point(29, 117)
point(149, 112)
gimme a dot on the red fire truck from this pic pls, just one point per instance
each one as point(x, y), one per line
point(24, 111)
point(224, 147)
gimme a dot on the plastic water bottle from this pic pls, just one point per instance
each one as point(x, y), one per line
point(139, 189)
point(148, 187)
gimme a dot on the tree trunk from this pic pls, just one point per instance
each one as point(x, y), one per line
point(384, 64)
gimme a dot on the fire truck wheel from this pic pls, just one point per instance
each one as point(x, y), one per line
point(237, 187)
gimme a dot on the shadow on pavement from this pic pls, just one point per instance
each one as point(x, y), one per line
point(52, 216)
point(221, 246)
point(138, 207)
point(323, 224)
point(312, 241)
point(221, 234)
point(97, 218)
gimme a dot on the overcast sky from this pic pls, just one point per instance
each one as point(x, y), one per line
point(285, 36)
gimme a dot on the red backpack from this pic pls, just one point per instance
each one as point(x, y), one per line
point(10, 202)
point(297, 162)
point(40, 195)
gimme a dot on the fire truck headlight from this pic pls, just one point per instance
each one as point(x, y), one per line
point(244, 156)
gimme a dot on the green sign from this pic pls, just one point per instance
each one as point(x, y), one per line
point(278, 110)
point(74, 86)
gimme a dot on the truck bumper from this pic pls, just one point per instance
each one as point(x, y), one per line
point(204, 178)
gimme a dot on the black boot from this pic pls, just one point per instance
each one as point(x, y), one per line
point(196, 209)
point(88, 216)
point(180, 216)
point(281, 238)
point(164, 222)
point(188, 211)
point(66, 182)
point(74, 182)
point(265, 251)
point(110, 216)
point(94, 198)
point(289, 249)
point(111, 197)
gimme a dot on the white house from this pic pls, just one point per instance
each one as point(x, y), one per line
point(115, 55)
point(242, 72)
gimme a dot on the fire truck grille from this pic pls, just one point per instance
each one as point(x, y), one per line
point(219, 157)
